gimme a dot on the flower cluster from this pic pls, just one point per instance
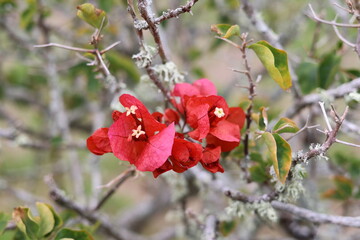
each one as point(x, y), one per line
point(198, 129)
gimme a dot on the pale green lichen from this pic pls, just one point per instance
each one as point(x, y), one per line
point(262, 208)
point(353, 96)
point(294, 188)
point(144, 58)
point(318, 147)
point(169, 72)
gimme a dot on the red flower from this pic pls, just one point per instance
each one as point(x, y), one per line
point(226, 133)
point(136, 136)
point(210, 160)
point(184, 155)
point(203, 113)
point(99, 142)
point(201, 87)
point(169, 116)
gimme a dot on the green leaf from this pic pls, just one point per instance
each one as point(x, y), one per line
point(328, 68)
point(227, 227)
point(343, 190)
point(92, 15)
point(285, 125)
point(3, 222)
point(226, 30)
point(258, 174)
point(307, 76)
point(25, 222)
point(245, 104)
point(57, 219)
point(275, 61)
point(72, 234)
point(263, 119)
point(344, 186)
point(280, 154)
point(27, 18)
point(47, 220)
point(125, 64)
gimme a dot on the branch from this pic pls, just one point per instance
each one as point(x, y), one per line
point(151, 73)
point(147, 13)
point(238, 196)
point(65, 47)
point(295, 210)
point(316, 217)
point(58, 196)
point(210, 231)
point(122, 178)
point(171, 13)
point(310, 99)
point(332, 23)
point(330, 139)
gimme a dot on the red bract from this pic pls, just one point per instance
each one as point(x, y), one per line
point(226, 133)
point(201, 87)
point(210, 160)
point(203, 113)
point(184, 155)
point(135, 136)
point(99, 142)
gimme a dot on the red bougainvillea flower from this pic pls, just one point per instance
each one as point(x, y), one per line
point(226, 133)
point(99, 142)
point(201, 87)
point(135, 136)
point(210, 160)
point(203, 113)
point(169, 116)
point(184, 155)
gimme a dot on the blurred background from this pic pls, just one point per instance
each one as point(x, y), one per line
point(51, 101)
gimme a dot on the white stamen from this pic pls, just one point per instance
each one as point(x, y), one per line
point(137, 132)
point(131, 110)
point(219, 112)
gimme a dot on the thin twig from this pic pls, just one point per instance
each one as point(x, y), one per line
point(59, 197)
point(172, 13)
point(316, 18)
point(322, 106)
point(119, 181)
point(65, 47)
point(347, 143)
point(342, 38)
point(311, 99)
point(110, 47)
point(103, 65)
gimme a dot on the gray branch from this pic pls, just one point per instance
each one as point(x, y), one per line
point(316, 217)
point(311, 99)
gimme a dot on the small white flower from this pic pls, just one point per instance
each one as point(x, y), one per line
point(219, 112)
point(137, 132)
point(131, 110)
